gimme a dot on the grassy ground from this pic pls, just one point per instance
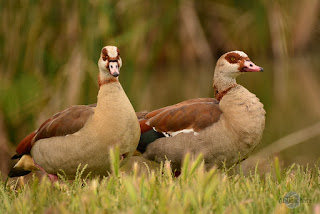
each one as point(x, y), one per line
point(194, 191)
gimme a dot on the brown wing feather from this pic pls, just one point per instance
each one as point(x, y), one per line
point(191, 101)
point(141, 115)
point(195, 114)
point(63, 123)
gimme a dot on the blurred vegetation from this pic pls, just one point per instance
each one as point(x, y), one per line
point(49, 52)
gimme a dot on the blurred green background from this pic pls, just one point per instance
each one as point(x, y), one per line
point(49, 52)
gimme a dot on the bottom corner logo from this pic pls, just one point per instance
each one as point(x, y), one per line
point(291, 199)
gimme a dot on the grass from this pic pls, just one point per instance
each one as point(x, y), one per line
point(194, 191)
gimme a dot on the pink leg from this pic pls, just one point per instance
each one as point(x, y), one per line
point(53, 178)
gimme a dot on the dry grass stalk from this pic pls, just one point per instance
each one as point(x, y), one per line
point(196, 33)
point(290, 140)
point(305, 24)
point(4, 149)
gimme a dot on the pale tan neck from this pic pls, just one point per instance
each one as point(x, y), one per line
point(108, 94)
point(222, 84)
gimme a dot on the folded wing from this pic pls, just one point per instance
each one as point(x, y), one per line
point(189, 116)
point(62, 123)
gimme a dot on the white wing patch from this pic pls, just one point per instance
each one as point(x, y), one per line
point(182, 131)
point(172, 134)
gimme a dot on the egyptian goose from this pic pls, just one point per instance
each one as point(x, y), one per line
point(84, 134)
point(225, 130)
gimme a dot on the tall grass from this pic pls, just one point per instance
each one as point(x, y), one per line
point(194, 191)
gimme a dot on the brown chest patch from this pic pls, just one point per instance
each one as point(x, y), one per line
point(220, 94)
point(102, 82)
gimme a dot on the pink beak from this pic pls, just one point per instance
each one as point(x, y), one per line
point(249, 66)
point(114, 72)
point(114, 69)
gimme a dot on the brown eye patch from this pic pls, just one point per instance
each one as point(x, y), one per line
point(233, 57)
point(104, 54)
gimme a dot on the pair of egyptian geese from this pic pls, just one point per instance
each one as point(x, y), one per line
point(224, 130)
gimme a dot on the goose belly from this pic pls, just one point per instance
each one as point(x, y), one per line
point(216, 143)
point(67, 152)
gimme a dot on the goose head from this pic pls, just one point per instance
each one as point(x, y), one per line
point(229, 66)
point(234, 63)
point(109, 63)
